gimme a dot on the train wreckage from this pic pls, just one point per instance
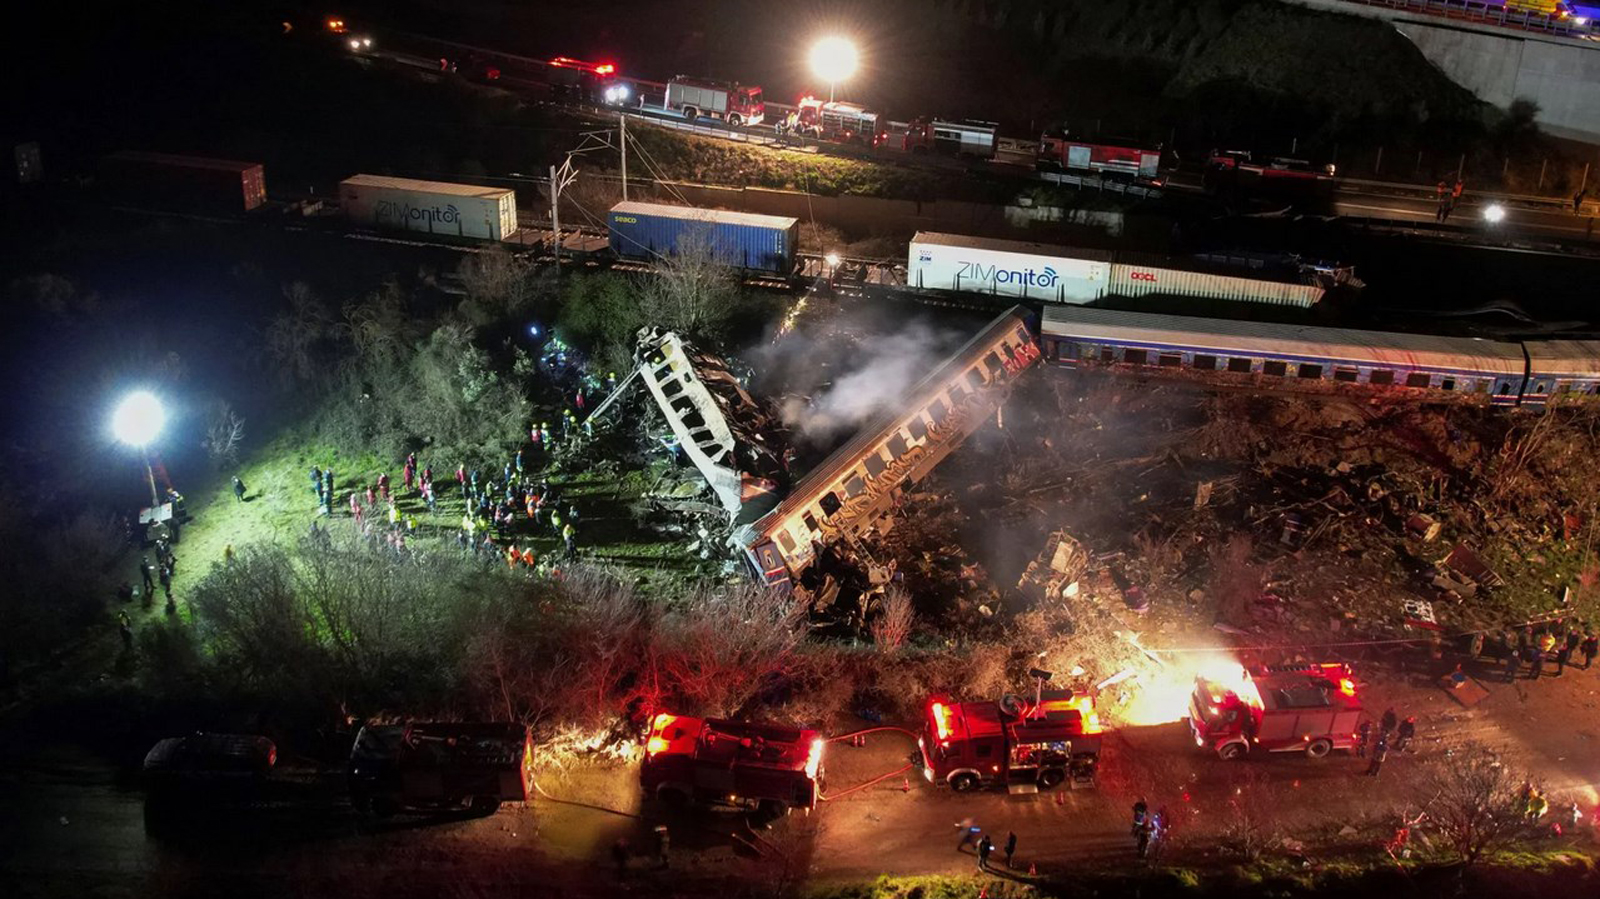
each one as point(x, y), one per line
point(783, 534)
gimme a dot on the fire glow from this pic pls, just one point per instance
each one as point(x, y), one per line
point(1163, 696)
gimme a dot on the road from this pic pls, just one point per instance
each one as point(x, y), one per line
point(1542, 221)
point(66, 818)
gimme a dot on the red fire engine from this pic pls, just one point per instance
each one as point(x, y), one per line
point(846, 123)
point(1124, 160)
point(953, 138)
point(733, 103)
point(710, 761)
point(1026, 747)
point(1278, 708)
point(580, 80)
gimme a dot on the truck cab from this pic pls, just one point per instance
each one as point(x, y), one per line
point(708, 761)
point(967, 745)
point(1284, 708)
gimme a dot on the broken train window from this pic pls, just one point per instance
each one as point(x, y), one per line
point(1275, 368)
point(830, 504)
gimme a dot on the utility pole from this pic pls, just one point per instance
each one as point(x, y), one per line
point(622, 121)
point(555, 215)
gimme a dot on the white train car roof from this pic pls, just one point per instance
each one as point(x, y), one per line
point(1564, 357)
point(1244, 338)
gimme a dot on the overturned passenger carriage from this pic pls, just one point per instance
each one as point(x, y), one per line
point(855, 486)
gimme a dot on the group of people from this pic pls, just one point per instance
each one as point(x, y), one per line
point(1447, 199)
point(1404, 732)
point(1532, 647)
point(983, 845)
point(1148, 829)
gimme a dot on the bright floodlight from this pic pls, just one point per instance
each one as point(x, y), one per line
point(834, 59)
point(138, 419)
point(1494, 213)
point(832, 259)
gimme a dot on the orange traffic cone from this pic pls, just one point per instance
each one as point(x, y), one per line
point(905, 784)
point(983, 892)
point(1033, 870)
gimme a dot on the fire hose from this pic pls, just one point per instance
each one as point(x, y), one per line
point(862, 786)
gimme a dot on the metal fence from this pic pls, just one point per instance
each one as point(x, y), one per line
point(1493, 13)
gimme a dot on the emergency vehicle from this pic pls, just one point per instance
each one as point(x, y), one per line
point(966, 745)
point(708, 761)
point(733, 103)
point(445, 766)
point(846, 123)
point(580, 80)
point(1277, 708)
point(1065, 154)
point(1238, 170)
point(951, 138)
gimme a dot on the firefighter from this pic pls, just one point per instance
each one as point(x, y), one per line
point(969, 833)
point(1535, 660)
point(569, 535)
point(985, 847)
point(238, 489)
point(146, 572)
point(1563, 658)
point(1407, 731)
point(1363, 737)
point(1591, 648)
point(1380, 753)
point(1386, 725)
point(1147, 832)
point(126, 628)
point(1141, 812)
point(663, 845)
point(1011, 846)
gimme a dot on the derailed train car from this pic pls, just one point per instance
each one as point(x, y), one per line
point(853, 488)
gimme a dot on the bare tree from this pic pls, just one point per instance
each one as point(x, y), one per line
point(224, 433)
point(499, 286)
point(692, 293)
point(1253, 820)
point(292, 338)
point(1471, 797)
point(891, 629)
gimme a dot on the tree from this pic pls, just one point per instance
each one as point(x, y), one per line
point(692, 293)
point(224, 433)
point(500, 287)
point(1471, 798)
point(892, 628)
point(1253, 821)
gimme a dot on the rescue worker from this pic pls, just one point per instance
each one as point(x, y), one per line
point(227, 554)
point(569, 536)
point(1380, 753)
point(1563, 658)
point(1363, 736)
point(1011, 846)
point(1591, 648)
point(1406, 732)
point(619, 855)
point(985, 847)
point(1387, 723)
point(1535, 661)
point(126, 628)
point(316, 481)
point(1141, 811)
point(1147, 833)
point(969, 833)
point(238, 489)
point(663, 844)
point(513, 557)
point(328, 482)
point(146, 571)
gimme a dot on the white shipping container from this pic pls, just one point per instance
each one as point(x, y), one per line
point(1007, 268)
point(434, 207)
point(1141, 280)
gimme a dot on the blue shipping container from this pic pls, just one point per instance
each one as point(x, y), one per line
point(743, 240)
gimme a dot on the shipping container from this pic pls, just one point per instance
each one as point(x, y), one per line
point(434, 207)
point(743, 240)
point(1134, 277)
point(1008, 268)
point(183, 182)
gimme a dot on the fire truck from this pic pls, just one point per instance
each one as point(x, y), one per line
point(846, 123)
point(731, 102)
point(1277, 708)
point(440, 767)
point(708, 761)
point(1122, 160)
point(951, 138)
point(967, 745)
point(579, 80)
point(1239, 171)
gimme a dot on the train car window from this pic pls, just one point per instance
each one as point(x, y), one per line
point(854, 486)
point(1563, 387)
point(875, 465)
point(1419, 379)
point(1135, 357)
point(958, 391)
point(785, 542)
point(1205, 363)
point(1170, 360)
point(830, 504)
point(1381, 376)
point(810, 522)
point(1053, 350)
point(897, 446)
point(1309, 371)
point(1447, 384)
point(937, 410)
point(991, 362)
point(1239, 364)
point(1108, 355)
point(1277, 369)
point(974, 379)
point(918, 428)
point(1347, 375)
